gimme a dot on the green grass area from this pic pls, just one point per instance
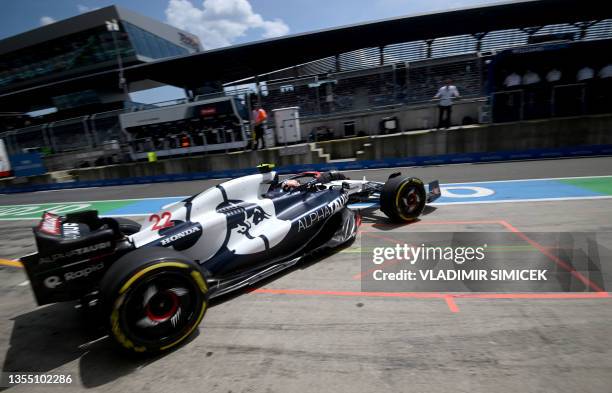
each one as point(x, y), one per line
point(16, 212)
point(602, 185)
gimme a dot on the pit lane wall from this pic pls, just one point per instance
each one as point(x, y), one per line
point(228, 162)
point(410, 117)
point(570, 137)
point(503, 137)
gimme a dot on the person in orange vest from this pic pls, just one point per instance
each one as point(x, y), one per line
point(185, 142)
point(258, 117)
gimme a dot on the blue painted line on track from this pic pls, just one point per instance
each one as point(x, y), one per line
point(512, 191)
point(143, 206)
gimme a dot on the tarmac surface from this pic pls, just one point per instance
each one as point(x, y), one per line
point(314, 329)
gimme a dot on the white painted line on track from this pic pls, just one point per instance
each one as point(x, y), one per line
point(522, 200)
point(524, 180)
point(95, 201)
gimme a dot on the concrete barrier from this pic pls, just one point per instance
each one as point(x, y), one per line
point(16, 182)
point(410, 117)
point(534, 134)
point(200, 164)
point(537, 134)
point(344, 148)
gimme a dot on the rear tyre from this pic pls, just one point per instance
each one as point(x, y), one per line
point(154, 299)
point(127, 226)
point(403, 199)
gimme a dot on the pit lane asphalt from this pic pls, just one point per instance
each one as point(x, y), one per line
point(312, 330)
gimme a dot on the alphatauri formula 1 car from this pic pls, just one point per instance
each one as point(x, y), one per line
point(152, 283)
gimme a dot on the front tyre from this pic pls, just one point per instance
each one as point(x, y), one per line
point(155, 299)
point(403, 199)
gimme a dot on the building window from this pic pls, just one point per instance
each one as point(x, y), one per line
point(149, 45)
point(68, 54)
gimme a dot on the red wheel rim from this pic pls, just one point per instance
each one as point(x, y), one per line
point(156, 309)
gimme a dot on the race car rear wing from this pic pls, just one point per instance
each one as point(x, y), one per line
point(72, 254)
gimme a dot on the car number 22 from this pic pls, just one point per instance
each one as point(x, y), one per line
point(161, 222)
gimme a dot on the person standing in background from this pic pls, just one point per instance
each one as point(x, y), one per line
point(258, 119)
point(445, 107)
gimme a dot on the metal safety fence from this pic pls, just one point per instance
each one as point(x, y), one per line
point(397, 84)
point(76, 134)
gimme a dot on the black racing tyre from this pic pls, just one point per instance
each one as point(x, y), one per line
point(403, 198)
point(154, 299)
point(127, 226)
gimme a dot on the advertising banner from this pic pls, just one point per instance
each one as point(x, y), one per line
point(27, 164)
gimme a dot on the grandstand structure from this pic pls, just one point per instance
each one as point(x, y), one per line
point(42, 69)
point(341, 76)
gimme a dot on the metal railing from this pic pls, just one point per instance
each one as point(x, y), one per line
point(375, 87)
point(79, 133)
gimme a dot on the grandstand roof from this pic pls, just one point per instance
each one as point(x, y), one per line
point(243, 61)
point(77, 23)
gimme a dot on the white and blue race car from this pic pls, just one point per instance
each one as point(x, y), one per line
point(152, 282)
